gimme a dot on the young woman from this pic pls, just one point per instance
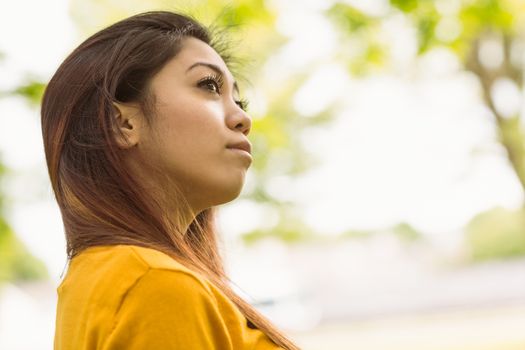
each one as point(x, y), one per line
point(144, 133)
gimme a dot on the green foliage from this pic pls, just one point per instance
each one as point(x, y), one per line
point(348, 18)
point(425, 18)
point(406, 232)
point(276, 142)
point(497, 233)
point(288, 235)
point(290, 229)
point(31, 91)
point(494, 15)
point(372, 59)
point(360, 31)
point(476, 18)
point(426, 28)
point(238, 12)
point(2, 173)
point(268, 134)
point(16, 263)
point(403, 231)
point(406, 6)
point(359, 234)
point(512, 136)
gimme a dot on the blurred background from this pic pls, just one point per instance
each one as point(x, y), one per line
point(385, 206)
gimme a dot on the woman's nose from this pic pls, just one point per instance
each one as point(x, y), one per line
point(238, 119)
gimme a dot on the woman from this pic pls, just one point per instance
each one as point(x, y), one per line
point(144, 134)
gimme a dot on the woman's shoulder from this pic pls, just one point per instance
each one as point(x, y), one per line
point(141, 296)
point(124, 258)
point(109, 272)
point(111, 293)
point(161, 269)
point(123, 253)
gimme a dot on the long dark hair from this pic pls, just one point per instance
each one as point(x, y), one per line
point(100, 201)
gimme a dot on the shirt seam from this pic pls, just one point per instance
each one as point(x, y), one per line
point(185, 271)
point(149, 269)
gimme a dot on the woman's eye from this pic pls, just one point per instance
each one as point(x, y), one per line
point(243, 104)
point(210, 85)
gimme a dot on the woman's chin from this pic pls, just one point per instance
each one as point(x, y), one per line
point(229, 192)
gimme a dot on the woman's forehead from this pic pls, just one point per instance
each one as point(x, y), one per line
point(194, 50)
point(195, 55)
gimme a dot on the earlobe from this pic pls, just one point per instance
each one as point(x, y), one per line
point(125, 125)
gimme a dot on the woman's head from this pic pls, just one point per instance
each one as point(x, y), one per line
point(127, 99)
point(197, 115)
point(137, 123)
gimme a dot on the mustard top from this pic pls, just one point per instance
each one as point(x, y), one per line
point(131, 297)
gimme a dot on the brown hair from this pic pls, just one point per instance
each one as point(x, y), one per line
point(100, 201)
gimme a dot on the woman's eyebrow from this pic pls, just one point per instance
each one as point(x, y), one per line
point(214, 67)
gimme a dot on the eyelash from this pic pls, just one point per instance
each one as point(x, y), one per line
point(218, 80)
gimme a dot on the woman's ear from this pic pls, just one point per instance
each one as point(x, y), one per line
point(127, 122)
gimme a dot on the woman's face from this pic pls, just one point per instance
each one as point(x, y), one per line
point(197, 117)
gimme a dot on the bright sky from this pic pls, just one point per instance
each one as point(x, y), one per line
point(401, 150)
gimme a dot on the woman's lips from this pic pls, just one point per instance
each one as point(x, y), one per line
point(243, 145)
point(241, 152)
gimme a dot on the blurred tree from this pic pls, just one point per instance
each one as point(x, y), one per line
point(487, 36)
point(406, 232)
point(32, 91)
point(488, 39)
point(403, 231)
point(16, 262)
point(497, 233)
point(490, 45)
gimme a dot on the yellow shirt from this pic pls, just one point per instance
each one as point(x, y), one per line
point(130, 297)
